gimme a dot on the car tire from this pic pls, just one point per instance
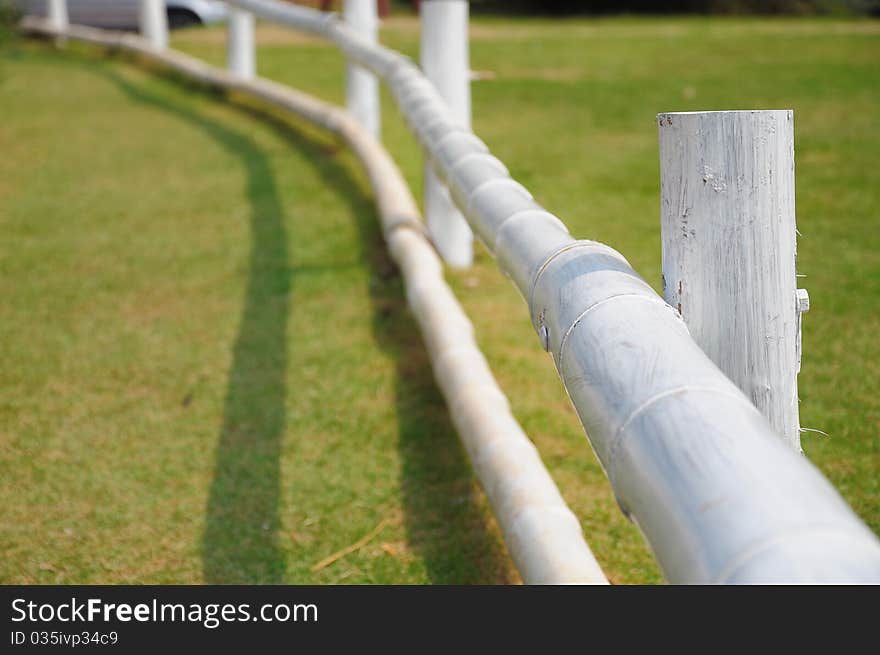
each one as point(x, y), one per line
point(182, 18)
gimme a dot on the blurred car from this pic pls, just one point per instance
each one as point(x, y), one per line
point(123, 14)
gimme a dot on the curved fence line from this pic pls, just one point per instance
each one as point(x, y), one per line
point(691, 460)
point(542, 535)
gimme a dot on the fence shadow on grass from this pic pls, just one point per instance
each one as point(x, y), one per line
point(240, 543)
point(444, 521)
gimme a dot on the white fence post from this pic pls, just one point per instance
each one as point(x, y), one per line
point(240, 48)
point(445, 61)
point(728, 231)
point(56, 12)
point(361, 86)
point(154, 23)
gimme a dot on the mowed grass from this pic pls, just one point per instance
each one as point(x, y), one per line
point(209, 373)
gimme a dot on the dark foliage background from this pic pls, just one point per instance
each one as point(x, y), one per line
point(869, 7)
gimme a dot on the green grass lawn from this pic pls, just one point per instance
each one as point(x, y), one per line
point(209, 373)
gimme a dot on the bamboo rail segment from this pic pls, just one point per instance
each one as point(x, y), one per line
point(543, 536)
point(719, 497)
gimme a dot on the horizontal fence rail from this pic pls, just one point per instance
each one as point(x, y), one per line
point(719, 498)
point(543, 536)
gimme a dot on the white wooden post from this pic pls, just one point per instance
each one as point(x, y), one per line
point(445, 61)
point(728, 231)
point(361, 86)
point(154, 23)
point(240, 48)
point(56, 12)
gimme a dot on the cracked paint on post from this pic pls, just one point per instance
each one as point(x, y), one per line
point(728, 227)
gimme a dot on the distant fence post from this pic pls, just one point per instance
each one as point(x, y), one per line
point(154, 23)
point(240, 48)
point(361, 86)
point(445, 62)
point(728, 232)
point(56, 12)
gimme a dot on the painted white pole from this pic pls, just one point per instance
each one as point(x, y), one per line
point(445, 61)
point(57, 14)
point(241, 52)
point(728, 231)
point(361, 86)
point(154, 23)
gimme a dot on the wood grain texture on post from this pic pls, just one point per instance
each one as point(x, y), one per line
point(729, 245)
